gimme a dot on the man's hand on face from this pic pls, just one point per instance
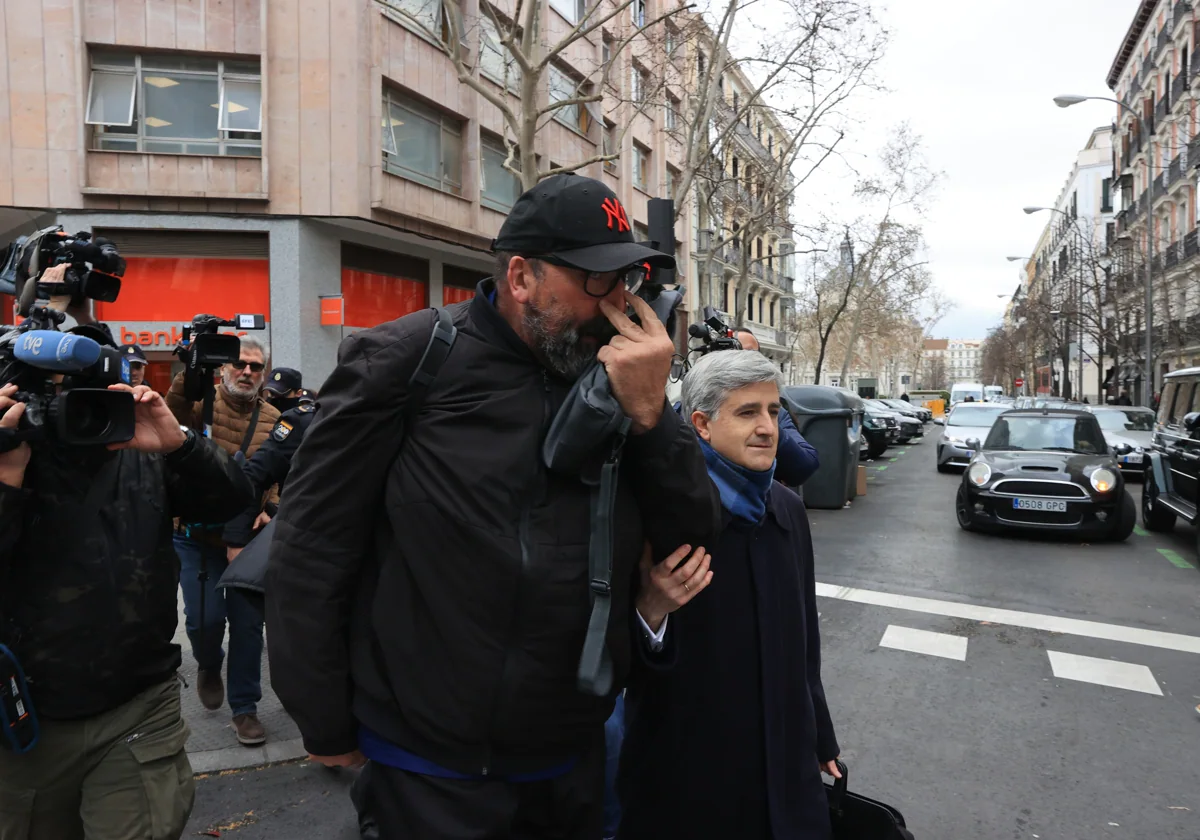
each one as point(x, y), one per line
point(155, 427)
point(638, 362)
point(13, 462)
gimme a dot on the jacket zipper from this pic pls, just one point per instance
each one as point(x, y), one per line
point(526, 561)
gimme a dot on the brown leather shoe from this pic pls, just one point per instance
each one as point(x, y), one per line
point(210, 688)
point(249, 730)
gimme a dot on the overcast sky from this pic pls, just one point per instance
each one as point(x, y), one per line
point(976, 81)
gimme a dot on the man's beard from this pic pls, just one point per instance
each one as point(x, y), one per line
point(236, 389)
point(561, 344)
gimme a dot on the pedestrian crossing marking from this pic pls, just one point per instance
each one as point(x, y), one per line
point(912, 640)
point(1140, 531)
point(881, 467)
point(1176, 561)
point(1014, 618)
point(1089, 669)
point(893, 459)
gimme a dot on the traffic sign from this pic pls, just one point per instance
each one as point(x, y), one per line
point(1019, 382)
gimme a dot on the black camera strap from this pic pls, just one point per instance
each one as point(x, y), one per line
point(249, 437)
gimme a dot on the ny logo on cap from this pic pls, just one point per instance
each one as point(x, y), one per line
point(615, 213)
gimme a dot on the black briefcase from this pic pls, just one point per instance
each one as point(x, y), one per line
point(856, 817)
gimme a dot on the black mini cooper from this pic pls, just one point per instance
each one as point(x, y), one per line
point(1045, 469)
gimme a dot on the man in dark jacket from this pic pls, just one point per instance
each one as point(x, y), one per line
point(429, 603)
point(88, 583)
point(731, 709)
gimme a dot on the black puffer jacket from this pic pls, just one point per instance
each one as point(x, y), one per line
point(465, 652)
point(89, 598)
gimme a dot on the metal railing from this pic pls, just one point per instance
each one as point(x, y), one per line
point(1148, 65)
point(1135, 143)
point(1194, 66)
point(1190, 246)
point(1171, 255)
point(1179, 86)
point(1156, 263)
point(1164, 41)
point(1175, 170)
point(1182, 7)
point(1160, 110)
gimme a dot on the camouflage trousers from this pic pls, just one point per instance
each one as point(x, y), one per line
point(122, 775)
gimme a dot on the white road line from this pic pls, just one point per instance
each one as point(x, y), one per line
point(912, 640)
point(1015, 618)
point(1089, 669)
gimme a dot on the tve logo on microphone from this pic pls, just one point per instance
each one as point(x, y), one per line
point(32, 343)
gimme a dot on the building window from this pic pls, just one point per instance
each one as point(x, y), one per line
point(641, 167)
point(1106, 195)
point(701, 64)
point(639, 82)
point(735, 166)
point(736, 100)
point(759, 132)
point(421, 143)
point(495, 61)
point(672, 113)
point(672, 181)
point(770, 144)
point(641, 233)
point(611, 146)
point(175, 105)
point(499, 188)
point(430, 19)
point(639, 13)
point(573, 10)
point(563, 88)
point(605, 49)
point(671, 39)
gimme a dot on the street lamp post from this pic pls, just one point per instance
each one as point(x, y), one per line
point(1067, 101)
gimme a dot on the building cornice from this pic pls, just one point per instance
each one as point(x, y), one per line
point(1140, 20)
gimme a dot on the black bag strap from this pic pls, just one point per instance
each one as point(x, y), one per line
point(436, 351)
point(595, 675)
point(249, 436)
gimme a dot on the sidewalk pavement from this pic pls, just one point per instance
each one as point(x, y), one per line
point(213, 745)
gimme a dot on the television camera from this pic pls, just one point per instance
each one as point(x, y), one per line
point(203, 350)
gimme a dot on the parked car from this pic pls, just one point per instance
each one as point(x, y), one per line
point(1173, 461)
point(968, 421)
point(880, 428)
point(1048, 470)
point(1129, 431)
point(919, 411)
point(910, 425)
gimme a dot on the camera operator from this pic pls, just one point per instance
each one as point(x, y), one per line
point(242, 421)
point(88, 581)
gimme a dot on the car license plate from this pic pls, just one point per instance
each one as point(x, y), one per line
point(1050, 505)
point(1135, 458)
point(970, 453)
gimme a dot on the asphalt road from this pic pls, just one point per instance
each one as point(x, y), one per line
point(996, 742)
point(974, 727)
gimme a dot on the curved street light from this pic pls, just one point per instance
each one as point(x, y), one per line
point(1066, 101)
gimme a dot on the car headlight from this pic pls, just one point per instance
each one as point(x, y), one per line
point(955, 440)
point(979, 473)
point(1103, 480)
point(870, 424)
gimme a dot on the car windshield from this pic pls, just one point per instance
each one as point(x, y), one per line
point(1047, 434)
point(975, 415)
point(1126, 420)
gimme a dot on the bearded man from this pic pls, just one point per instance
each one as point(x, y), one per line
point(428, 604)
point(242, 421)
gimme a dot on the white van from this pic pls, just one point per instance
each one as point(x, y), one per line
point(959, 391)
point(990, 392)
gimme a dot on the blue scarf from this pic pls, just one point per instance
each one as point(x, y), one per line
point(743, 491)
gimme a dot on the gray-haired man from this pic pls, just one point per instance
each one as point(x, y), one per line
point(242, 421)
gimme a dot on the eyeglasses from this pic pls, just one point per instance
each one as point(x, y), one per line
point(601, 283)
point(255, 367)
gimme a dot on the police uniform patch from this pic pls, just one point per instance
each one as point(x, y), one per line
point(281, 431)
point(306, 407)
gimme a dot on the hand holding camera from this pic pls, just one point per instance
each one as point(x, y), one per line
point(155, 427)
point(638, 362)
point(14, 461)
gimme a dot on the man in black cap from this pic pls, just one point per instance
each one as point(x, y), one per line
point(282, 388)
point(137, 363)
point(428, 603)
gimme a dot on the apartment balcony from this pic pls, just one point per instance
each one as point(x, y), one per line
point(1156, 263)
point(1171, 257)
point(1135, 146)
point(1157, 189)
point(788, 284)
point(1190, 246)
point(1180, 13)
point(756, 271)
point(1164, 41)
point(1176, 169)
point(1161, 109)
point(1180, 86)
point(1148, 65)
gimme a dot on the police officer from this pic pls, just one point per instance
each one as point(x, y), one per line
point(137, 363)
point(282, 388)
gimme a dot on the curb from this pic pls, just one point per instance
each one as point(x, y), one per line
point(240, 758)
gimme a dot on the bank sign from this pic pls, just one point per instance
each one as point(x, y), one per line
point(166, 335)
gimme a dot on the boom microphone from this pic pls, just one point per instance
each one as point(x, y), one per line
point(55, 351)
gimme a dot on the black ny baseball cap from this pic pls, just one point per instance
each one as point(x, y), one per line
point(580, 222)
point(283, 380)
